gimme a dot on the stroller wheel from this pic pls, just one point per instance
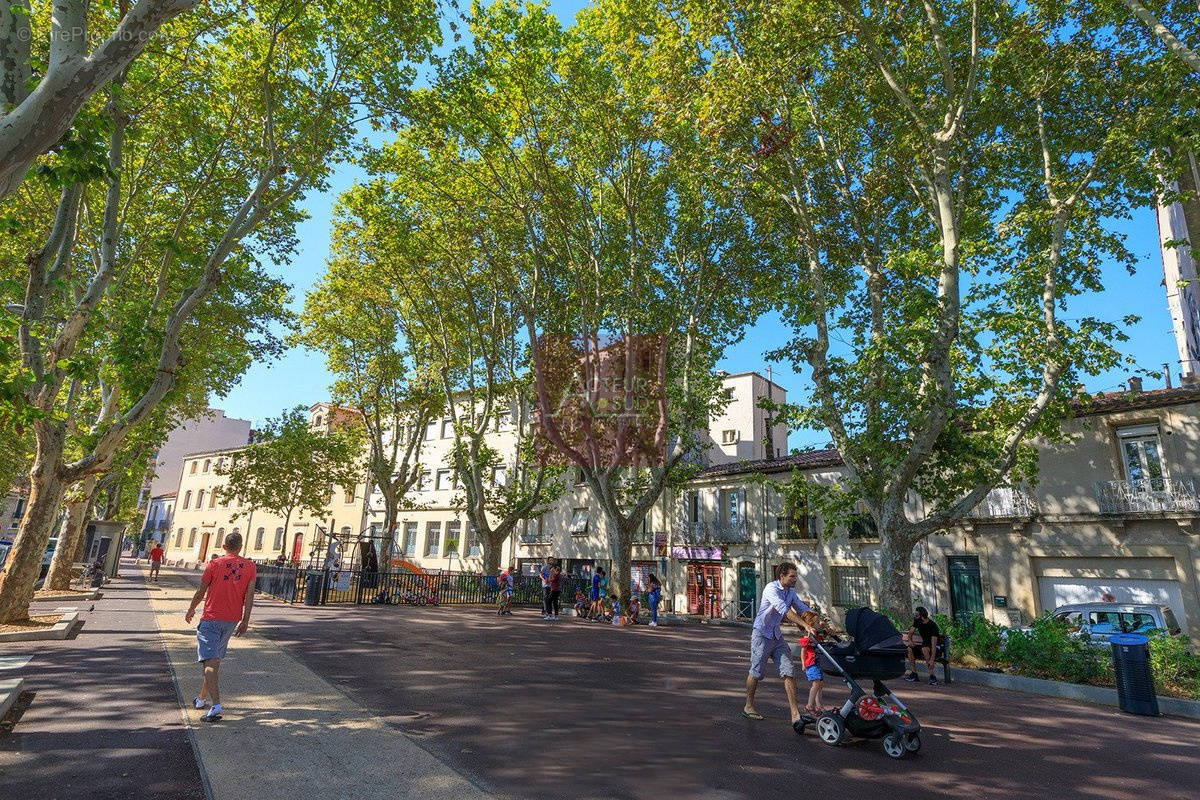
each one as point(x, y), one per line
point(831, 729)
point(912, 742)
point(893, 745)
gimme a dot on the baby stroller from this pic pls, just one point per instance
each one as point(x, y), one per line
point(875, 652)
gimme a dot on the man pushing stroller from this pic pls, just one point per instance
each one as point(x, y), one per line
point(779, 602)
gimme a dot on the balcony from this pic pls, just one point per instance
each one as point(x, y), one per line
point(1149, 496)
point(1005, 503)
point(709, 533)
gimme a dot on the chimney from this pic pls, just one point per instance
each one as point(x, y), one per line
point(1135, 385)
point(1167, 375)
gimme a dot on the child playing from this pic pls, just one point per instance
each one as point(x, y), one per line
point(616, 609)
point(634, 608)
point(813, 672)
point(581, 603)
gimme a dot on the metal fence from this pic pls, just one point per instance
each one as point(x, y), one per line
point(361, 587)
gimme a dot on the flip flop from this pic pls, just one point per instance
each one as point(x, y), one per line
point(751, 715)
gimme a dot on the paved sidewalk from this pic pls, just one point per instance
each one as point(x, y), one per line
point(104, 722)
point(287, 733)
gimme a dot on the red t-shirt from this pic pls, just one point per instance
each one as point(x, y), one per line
point(156, 554)
point(808, 655)
point(227, 579)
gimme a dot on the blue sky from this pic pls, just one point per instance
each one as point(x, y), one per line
point(299, 377)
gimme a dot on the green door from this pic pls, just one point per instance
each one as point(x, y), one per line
point(966, 594)
point(747, 590)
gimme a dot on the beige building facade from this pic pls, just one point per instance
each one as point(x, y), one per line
point(1115, 512)
point(203, 513)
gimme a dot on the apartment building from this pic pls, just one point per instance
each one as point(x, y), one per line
point(436, 534)
point(159, 513)
point(204, 512)
point(1115, 512)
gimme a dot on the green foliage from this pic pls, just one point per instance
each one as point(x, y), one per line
point(1176, 669)
point(291, 467)
point(977, 637)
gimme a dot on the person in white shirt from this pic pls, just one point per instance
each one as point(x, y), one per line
point(779, 602)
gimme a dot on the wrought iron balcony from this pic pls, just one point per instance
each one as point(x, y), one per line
point(1148, 496)
point(711, 533)
point(1005, 503)
point(534, 537)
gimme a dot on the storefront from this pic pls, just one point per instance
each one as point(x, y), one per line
point(703, 578)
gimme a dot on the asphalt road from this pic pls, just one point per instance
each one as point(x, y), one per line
point(104, 721)
point(572, 709)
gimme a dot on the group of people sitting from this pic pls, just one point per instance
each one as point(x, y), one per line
point(600, 605)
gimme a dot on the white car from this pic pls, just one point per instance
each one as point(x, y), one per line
point(1099, 621)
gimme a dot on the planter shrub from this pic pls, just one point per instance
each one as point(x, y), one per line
point(1176, 670)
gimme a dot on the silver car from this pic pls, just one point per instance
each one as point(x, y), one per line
point(1099, 621)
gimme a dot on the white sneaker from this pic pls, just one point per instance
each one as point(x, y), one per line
point(546, 617)
point(653, 624)
point(214, 713)
point(198, 702)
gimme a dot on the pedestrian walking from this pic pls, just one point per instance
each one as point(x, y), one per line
point(227, 591)
point(544, 574)
point(654, 598)
point(597, 607)
point(556, 577)
point(779, 602)
point(156, 557)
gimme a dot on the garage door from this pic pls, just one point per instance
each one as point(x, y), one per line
point(1057, 592)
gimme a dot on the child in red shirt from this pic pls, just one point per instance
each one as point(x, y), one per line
point(813, 672)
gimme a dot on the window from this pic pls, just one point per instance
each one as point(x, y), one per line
point(503, 420)
point(20, 508)
point(795, 523)
point(187, 497)
point(1141, 454)
point(579, 479)
point(731, 507)
point(863, 527)
point(579, 522)
point(851, 587)
point(533, 531)
point(410, 539)
point(179, 538)
point(693, 503)
point(1103, 622)
point(423, 482)
point(278, 539)
point(1072, 619)
point(347, 496)
point(192, 538)
point(453, 531)
point(194, 465)
point(200, 499)
point(447, 429)
point(430, 430)
point(443, 480)
point(433, 535)
point(729, 437)
point(207, 464)
point(474, 546)
point(500, 476)
point(258, 538)
point(317, 421)
point(212, 499)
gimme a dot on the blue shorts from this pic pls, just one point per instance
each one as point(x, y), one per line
point(762, 649)
point(212, 638)
point(813, 673)
point(594, 595)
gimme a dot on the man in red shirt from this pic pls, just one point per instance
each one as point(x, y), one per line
point(227, 589)
point(156, 554)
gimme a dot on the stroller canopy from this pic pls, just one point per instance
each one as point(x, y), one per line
point(869, 629)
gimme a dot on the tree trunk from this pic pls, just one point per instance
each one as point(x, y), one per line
point(389, 531)
point(620, 547)
point(71, 537)
point(895, 572)
point(287, 523)
point(45, 496)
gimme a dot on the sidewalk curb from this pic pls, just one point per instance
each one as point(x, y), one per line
point(95, 594)
point(1100, 695)
point(10, 690)
point(66, 625)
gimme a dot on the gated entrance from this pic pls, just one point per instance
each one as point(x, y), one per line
point(966, 593)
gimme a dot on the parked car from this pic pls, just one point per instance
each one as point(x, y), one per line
point(1099, 621)
point(6, 545)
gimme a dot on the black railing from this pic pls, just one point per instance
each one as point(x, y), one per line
point(361, 587)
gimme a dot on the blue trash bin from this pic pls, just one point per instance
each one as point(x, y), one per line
point(1131, 667)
